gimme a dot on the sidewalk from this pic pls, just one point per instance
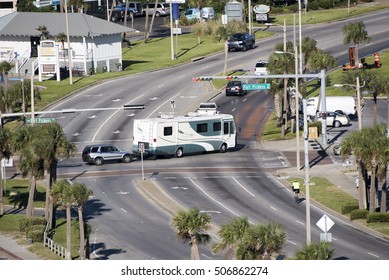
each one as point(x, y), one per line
point(11, 250)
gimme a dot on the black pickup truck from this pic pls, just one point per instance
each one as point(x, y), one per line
point(241, 41)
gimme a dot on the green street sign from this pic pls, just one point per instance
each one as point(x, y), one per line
point(255, 86)
point(41, 120)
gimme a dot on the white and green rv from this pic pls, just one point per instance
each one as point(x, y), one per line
point(170, 135)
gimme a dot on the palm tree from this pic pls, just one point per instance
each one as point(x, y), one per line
point(31, 165)
point(147, 33)
point(43, 32)
point(283, 64)
point(261, 242)
point(24, 142)
point(5, 66)
point(5, 153)
point(356, 33)
point(54, 145)
point(81, 195)
point(315, 251)
point(62, 190)
point(352, 145)
point(62, 37)
point(231, 234)
point(321, 60)
point(191, 225)
point(309, 49)
point(369, 147)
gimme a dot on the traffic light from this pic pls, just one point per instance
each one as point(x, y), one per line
point(231, 78)
point(201, 79)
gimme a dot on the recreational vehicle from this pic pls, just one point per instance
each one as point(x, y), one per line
point(170, 135)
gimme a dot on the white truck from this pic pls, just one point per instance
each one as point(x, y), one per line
point(170, 135)
point(346, 104)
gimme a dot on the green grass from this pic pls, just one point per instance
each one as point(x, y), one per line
point(137, 58)
point(324, 192)
point(9, 224)
point(326, 16)
point(17, 194)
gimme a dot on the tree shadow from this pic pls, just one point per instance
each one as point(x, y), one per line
point(100, 251)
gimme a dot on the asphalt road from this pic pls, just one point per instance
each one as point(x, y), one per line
point(128, 226)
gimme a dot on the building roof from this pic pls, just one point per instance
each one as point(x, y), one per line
point(80, 25)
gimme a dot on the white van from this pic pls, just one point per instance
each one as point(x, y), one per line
point(346, 104)
point(194, 13)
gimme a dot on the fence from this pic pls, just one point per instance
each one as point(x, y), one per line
point(54, 246)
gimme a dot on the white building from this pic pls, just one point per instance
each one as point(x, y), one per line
point(96, 44)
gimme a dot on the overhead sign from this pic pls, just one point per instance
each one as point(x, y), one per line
point(255, 86)
point(325, 223)
point(261, 9)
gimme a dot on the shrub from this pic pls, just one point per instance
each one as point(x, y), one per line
point(358, 214)
point(26, 222)
point(235, 26)
point(35, 233)
point(378, 217)
point(347, 208)
point(220, 34)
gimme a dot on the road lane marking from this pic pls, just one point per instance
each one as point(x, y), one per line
point(123, 210)
point(213, 199)
point(243, 187)
point(301, 223)
point(374, 255)
point(163, 103)
point(273, 208)
point(101, 126)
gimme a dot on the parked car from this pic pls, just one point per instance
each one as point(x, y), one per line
point(101, 12)
point(134, 8)
point(335, 119)
point(162, 9)
point(118, 15)
point(261, 68)
point(194, 13)
point(99, 153)
point(241, 41)
point(235, 88)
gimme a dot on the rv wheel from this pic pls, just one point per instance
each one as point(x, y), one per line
point(223, 148)
point(179, 152)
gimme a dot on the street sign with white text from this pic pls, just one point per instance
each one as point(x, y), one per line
point(255, 86)
point(41, 120)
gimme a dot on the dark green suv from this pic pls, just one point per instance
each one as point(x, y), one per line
point(99, 153)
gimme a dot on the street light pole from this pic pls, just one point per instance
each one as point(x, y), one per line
point(307, 193)
point(359, 108)
point(69, 48)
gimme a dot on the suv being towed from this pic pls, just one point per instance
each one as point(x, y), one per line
point(97, 154)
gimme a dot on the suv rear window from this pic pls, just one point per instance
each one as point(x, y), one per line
point(261, 64)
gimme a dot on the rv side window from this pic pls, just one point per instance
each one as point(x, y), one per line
point(228, 128)
point(167, 131)
point(202, 127)
point(217, 126)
